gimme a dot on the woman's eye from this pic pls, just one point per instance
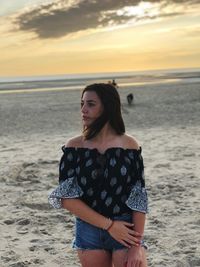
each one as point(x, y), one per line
point(90, 104)
point(87, 104)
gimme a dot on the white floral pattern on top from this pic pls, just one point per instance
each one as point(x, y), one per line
point(67, 189)
point(137, 199)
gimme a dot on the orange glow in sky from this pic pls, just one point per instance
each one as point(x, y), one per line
point(63, 37)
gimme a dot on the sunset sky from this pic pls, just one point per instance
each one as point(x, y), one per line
point(79, 36)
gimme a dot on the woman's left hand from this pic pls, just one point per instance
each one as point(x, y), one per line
point(135, 257)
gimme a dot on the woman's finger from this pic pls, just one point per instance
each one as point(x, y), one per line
point(133, 242)
point(128, 224)
point(124, 243)
point(130, 227)
point(134, 233)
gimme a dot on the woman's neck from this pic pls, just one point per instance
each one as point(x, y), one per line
point(104, 137)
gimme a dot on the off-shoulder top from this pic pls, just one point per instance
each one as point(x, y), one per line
point(111, 183)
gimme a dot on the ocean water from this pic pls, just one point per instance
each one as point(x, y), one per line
point(79, 81)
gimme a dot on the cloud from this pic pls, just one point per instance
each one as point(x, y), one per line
point(59, 18)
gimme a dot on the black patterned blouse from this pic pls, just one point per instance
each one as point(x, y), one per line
point(111, 183)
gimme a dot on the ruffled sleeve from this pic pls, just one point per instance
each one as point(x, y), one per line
point(137, 199)
point(68, 185)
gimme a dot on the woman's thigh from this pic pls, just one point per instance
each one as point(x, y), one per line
point(119, 258)
point(95, 258)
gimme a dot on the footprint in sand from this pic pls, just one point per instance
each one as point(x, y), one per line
point(20, 264)
point(37, 206)
point(35, 240)
point(33, 248)
point(9, 256)
point(9, 221)
point(23, 222)
point(38, 261)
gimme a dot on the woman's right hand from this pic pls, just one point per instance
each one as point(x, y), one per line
point(123, 232)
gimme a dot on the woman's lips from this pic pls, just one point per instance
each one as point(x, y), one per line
point(85, 118)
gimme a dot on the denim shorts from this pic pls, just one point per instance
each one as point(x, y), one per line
point(90, 237)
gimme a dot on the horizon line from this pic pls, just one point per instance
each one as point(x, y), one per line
point(89, 74)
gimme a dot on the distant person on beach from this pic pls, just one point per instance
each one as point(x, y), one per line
point(101, 182)
point(113, 82)
point(130, 98)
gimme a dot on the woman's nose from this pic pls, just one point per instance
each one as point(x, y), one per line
point(84, 109)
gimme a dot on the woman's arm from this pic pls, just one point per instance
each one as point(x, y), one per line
point(138, 219)
point(120, 230)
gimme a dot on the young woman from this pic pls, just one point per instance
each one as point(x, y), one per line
point(101, 176)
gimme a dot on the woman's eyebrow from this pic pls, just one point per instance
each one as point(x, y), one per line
point(91, 100)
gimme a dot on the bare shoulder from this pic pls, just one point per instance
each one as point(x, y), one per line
point(131, 142)
point(74, 141)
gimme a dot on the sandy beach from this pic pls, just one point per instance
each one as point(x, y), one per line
point(34, 126)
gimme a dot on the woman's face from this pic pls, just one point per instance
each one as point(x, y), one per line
point(91, 107)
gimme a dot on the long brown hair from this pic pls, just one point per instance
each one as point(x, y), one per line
point(110, 99)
